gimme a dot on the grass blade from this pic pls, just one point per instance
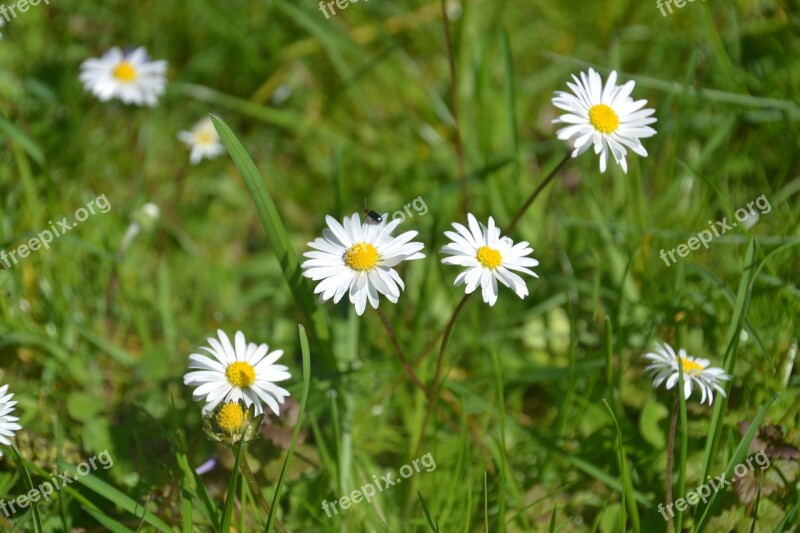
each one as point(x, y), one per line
point(26, 477)
point(434, 525)
point(231, 498)
point(300, 415)
point(279, 240)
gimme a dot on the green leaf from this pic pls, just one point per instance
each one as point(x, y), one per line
point(434, 526)
point(26, 476)
point(300, 416)
point(652, 413)
point(115, 496)
point(279, 240)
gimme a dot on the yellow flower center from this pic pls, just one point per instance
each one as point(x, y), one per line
point(690, 367)
point(205, 137)
point(603, 118)
point(125, 72)
point(489, 257)
point(361, 256)
point(230, 418)
point(240, 374)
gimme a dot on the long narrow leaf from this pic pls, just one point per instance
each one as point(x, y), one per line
point(298, 425)
point(279, 240)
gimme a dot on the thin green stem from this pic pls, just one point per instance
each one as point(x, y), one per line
point(399, 351)
point(536, 193)
point(255, 490)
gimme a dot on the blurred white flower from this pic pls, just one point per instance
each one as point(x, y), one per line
point(204, 141)
point(8, 423)
point(238, 371)
point(607, 118)
point(488, 258)
point(128, 76)
point(695, 371)
point(358, 259)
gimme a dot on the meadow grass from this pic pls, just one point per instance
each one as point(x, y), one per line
point(543, 417)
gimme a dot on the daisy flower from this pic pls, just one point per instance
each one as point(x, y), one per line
point(8, 423)
point(129, 76)
point(695, 371)
point(358, 259)
point(238, 371)
point(606, 117)
point(489, 258)
point(204, 141)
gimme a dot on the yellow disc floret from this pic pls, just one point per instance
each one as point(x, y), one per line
point(125, 72)
point(690, 367)
point(361, 256)
point(603, 118)
point(240, 374)
point(489, 257)
point(230, 418)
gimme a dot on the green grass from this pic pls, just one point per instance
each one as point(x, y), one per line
point(545, 419)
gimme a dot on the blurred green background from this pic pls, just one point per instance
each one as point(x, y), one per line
point(353, 109)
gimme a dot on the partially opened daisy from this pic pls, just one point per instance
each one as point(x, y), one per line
point(489, 258)
point(129, 76)
point(203, 140)
point(8, 422)
point(604, 117)
point(238, 371)
point(695, 371)
point(359, 259)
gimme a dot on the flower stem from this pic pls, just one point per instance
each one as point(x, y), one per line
point(536, 193)
point(670, 460)
point(433, 393)
point(257, 494)
point(399, 351)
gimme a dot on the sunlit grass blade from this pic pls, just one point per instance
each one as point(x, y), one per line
point(227, 512)
point(279, 240)
point(300, 415)
point(115, 496)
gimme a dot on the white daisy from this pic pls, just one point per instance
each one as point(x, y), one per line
point(488, 258)
point(204, 141)
point(695, 370)
point(8, 423)
point(606, 117)
point(238, 371)
point(129, 76)
point(358, 258)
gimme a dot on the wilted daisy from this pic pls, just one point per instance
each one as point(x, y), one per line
point(606, 117)
point(488, 258)
point(695, 370)
point(238, 371)
point(129, 76)
point(358, 259)
point(8, 423)
point(204, 141)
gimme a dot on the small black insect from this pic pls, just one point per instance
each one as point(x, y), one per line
point(373, 215)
